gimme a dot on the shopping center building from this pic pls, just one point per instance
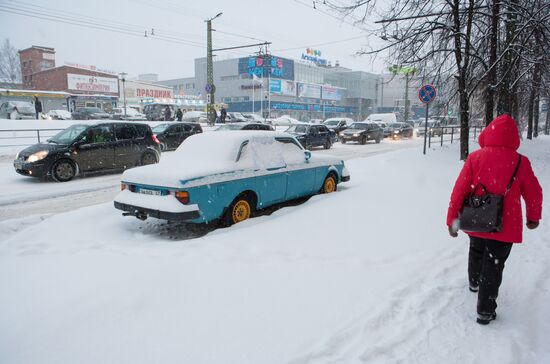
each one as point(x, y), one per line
point(310, 88)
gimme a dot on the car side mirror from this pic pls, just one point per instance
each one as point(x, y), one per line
point(307, 155)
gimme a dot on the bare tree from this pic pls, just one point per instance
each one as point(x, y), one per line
point(10, 69)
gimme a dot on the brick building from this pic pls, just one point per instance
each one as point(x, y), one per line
point(87, 86)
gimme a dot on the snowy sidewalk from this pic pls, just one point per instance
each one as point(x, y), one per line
point(367, 274)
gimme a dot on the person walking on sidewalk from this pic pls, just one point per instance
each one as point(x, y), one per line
point(37, 107)
point(492, 166)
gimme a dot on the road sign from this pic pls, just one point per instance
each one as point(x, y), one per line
point(427, 93)
point(209, 88)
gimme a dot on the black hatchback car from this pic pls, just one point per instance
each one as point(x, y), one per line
point(90, 113)
point(362, 132)
point(312, 135)
point(401, 130)
point(81, 149)
point(171, 135)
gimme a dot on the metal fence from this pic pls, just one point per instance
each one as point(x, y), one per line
point(24, 137)
point(449, 134)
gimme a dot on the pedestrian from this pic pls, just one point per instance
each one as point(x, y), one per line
point(167, 113)
point(37, 107)
point(179, 114)
point(492, 167)
point(223, 114)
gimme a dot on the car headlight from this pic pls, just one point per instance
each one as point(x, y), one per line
point(37, 156)
point(356, 134)
point(396, 131)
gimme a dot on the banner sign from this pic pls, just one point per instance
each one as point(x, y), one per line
point(154, 93)
point(332, 93)
point(308, 90)
point(275, 86)
point(275, 67)
point(288, 88)
point(92, 83)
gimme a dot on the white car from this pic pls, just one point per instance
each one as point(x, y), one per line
point(286, 120)
point(131, 114)
point(17, 110)
point(58, 115)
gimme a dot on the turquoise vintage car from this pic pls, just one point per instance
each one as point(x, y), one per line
point(226, 176)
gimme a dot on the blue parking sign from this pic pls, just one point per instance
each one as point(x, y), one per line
point(427, 93)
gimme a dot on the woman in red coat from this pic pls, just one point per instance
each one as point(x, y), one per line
point(493, 166)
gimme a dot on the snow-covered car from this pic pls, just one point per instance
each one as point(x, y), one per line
point(17, 110)
point(131, 114)
point(253, 118)
point(226, 177)
point(338, 124)
point(90, 113)
point(195, 117)
point(58, 115)
point(286, 120)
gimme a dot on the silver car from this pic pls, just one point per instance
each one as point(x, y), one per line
point(17, 110)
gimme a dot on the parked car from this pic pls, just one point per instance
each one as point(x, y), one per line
point(131, 114)
point(421, 127)
point(195, 117)
point(90, 113)
point(171, 135)
point(59, 115)
point(253, 118)
point(249, 171)
point(362, 132)
point(235, 117)
point(155, 112)
point(245, 126)
point(401, 130)
point(17, 110)
point(312, 135)
point(88, 148)
point(285, 120)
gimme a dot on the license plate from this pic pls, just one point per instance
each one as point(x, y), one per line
point(149, 192)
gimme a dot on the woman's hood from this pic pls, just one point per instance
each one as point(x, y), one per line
point(501, 132)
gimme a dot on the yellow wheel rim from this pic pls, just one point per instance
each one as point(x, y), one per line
point(330, 185)
point(241, 211)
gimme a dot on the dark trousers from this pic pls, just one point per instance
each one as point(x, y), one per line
point(485, 265)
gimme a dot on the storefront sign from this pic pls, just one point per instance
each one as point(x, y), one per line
point(314, 56)
point(288, 88)
point(92, 83)
point(308, 90)
point(331, 93)
point(275, 86)
point(154, 93)
point(250, 87)
point(275, 67)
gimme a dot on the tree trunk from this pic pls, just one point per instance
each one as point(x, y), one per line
point(493, 69)
point(547, 125)
point(530, 114)
point(536, 115)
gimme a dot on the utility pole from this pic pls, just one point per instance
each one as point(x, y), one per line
point(407, 72)
point(123, 79)
point(210, 88)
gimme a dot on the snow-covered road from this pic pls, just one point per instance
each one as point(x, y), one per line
point(23, 196)
point(365, 275)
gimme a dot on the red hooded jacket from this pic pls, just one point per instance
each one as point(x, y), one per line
point(493, 166)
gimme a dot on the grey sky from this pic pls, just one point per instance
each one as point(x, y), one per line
point(292, 26)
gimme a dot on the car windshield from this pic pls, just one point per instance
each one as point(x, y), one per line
point(297, 129)
point(160, 128)
point(396, 125)
point(230, 127)
point(68, 135)
point(331, 122)
point(359, 126)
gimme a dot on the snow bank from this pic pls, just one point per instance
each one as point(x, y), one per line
point(367, 274)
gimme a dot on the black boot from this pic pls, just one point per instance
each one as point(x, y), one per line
point(484, 319)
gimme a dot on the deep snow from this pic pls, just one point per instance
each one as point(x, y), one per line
point(367, 274)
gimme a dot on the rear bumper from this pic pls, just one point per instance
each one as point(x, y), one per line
point(171, 216)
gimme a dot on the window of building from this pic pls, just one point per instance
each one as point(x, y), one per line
point(246, 98)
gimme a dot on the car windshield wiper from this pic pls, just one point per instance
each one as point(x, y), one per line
point(52, 141)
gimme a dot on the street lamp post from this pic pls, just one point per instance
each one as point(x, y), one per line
point(210, 88)
point(123, 79)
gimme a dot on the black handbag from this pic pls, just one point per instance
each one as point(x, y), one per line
point(483, 213)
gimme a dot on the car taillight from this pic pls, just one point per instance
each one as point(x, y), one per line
point(155, 139)
point(182, 197)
